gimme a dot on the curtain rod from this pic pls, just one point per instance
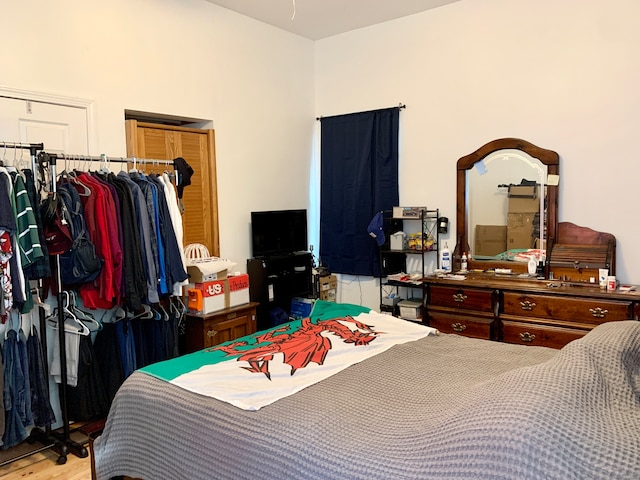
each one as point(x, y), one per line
point(400, 106)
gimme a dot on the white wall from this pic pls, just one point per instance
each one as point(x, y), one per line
point(180, 57)
point(563, 75)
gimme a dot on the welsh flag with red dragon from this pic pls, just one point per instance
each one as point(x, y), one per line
point(256, 370)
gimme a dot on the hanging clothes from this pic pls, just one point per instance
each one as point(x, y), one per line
point(9, 209)
point(27, 237)
point(133, 268)
point(175, 271)
point(151, 199)
point(176, 221)
point(145, 231)
point(39, 268)
point(88, 399)
point(17, 388)
point(43, 414)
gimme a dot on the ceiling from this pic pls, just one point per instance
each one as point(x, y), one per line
point(317, 19)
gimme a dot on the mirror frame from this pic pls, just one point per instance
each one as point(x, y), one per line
point(548, 157)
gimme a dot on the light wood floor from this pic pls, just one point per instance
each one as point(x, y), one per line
point(43, 466)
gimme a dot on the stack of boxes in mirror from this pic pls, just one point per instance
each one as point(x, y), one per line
point(523, 221)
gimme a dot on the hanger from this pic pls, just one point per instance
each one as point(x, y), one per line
point(145, 314)
point(22, 163)
point(76, 326)
point(180, 308)
point(104, 164)
point(73, 176)
point(83, 316)
point(135, 165)
point(162, 313)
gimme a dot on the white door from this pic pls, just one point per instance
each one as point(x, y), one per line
point(60, 128)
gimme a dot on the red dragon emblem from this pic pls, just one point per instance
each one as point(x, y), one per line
point(305, 345)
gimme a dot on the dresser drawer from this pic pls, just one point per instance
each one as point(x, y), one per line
point(578, 310)
point(203, 331)
point(462, 324)
point(540, 335)
point(479, 300)
point(216, 332)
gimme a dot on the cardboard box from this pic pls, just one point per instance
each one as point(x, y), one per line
point(520, 230)
point(207, 270)
point(523, 199)
point(411, 309)
point(328, 286)
point(396, 241)
point(238, 289)
point(408, 212)
point(391, 301)
point(490, 240)
point(212, 296)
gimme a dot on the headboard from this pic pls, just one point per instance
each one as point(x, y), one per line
point(579, 252)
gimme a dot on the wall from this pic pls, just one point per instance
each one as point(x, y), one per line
point(563, 75)
point(179, 57)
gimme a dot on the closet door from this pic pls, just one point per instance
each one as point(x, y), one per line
point(197, 147)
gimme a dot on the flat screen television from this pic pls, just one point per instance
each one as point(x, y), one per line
point(278, 232)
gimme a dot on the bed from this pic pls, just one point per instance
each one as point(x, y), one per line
point(439, 407)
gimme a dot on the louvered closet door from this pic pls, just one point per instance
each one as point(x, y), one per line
point(197, 147)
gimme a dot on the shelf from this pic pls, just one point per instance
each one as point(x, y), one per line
point(421, 231)
point(398, 283)
point(410, 251)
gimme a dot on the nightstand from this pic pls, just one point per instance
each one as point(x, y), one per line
point(207, 330)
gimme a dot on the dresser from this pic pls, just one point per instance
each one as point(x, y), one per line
point(207, 330)
point(518, 310)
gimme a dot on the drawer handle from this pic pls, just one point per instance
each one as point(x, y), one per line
point(527, 305)
point(527, 337)
point(458, 327)
point(459, 297)
point(211, 333)
point(598, 312)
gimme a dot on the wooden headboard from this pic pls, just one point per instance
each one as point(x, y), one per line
point(582, 247)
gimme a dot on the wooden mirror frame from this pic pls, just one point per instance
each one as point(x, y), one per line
point(548, 157)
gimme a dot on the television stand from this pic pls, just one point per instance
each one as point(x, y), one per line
point(275, 280)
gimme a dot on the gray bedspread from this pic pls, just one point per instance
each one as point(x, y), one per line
point(444, 407)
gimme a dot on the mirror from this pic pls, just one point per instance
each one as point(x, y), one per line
point(507, 200)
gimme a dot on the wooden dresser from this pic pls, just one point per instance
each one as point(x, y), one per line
point(207, 330)
point(514, 310)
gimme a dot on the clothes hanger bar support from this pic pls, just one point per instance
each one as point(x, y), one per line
point(112, 159)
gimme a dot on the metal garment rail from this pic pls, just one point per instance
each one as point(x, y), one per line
point(46, 438)
point(104, 159)
point(75, 447)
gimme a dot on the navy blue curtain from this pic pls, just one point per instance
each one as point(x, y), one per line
point(358, 177)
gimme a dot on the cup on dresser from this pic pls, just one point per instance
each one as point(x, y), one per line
point(611, 283)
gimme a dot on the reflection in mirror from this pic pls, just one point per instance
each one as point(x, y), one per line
point(501, 215)
point(503, 177)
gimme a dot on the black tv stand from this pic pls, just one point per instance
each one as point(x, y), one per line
point(275, 280)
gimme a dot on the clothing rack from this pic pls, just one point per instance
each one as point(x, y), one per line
point(104, 159)
point(52, 159)
point(62, 442)
point(73, 446)
point(46, 437)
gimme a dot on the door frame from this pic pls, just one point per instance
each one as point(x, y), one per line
point(63, 100)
